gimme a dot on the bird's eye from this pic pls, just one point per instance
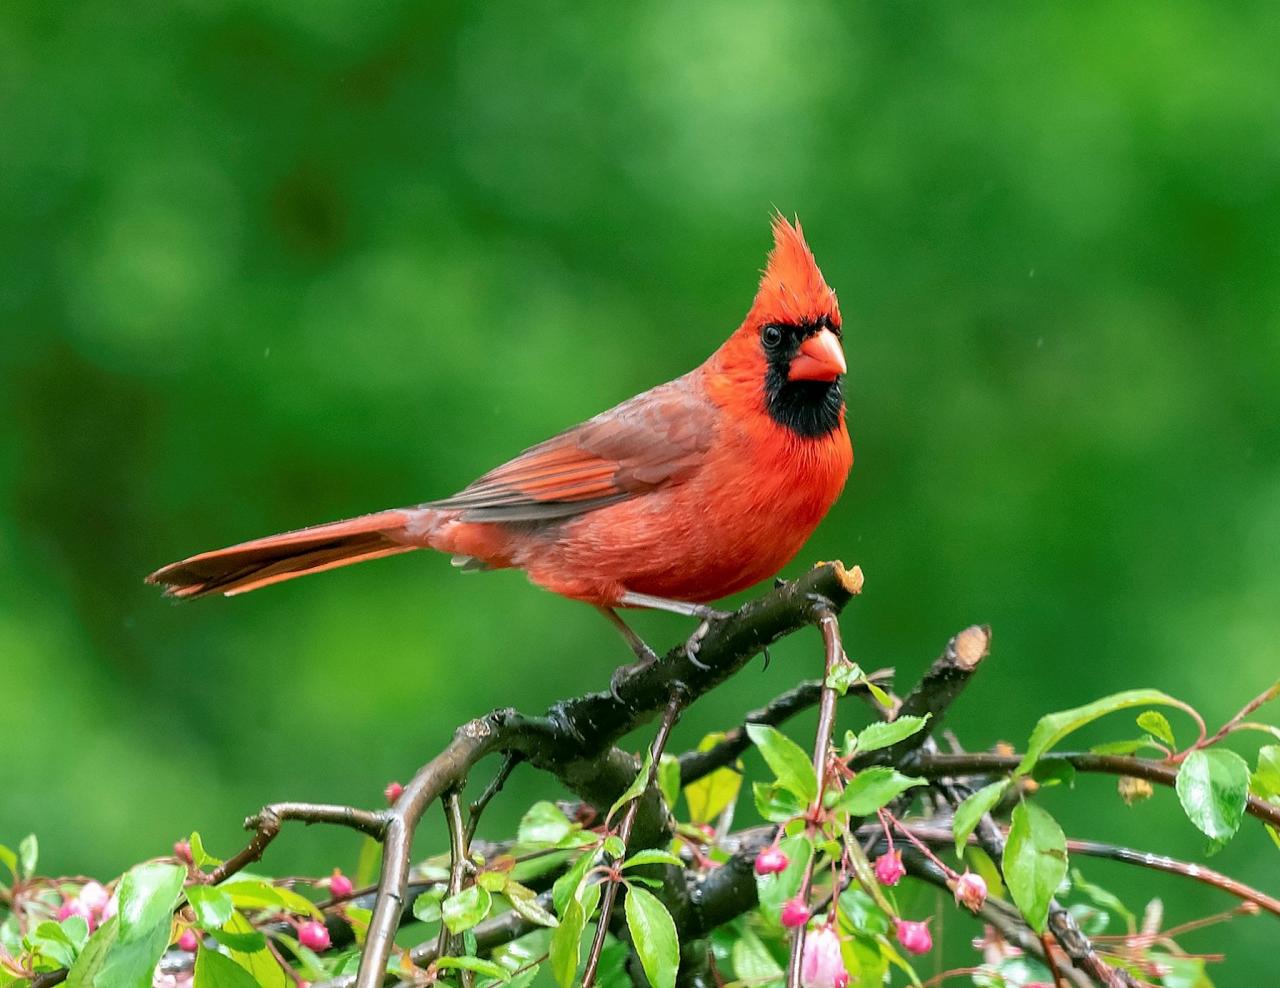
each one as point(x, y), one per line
point(771, 336)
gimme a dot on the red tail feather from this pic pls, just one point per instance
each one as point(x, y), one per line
point(250, 565)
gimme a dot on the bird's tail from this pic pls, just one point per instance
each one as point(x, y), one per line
point(250, 565)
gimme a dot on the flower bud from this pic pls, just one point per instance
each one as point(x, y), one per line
point(971, 891)
point(914, 937)
point(95, 897)
point(188, 941)
point(313, 935)
point(888, 868)
point(795, 912)
point(340, 885)
point(770, 861)
point(109, 910)
point(821, 965)
point(393, 791)
point(74, 907)
point(182, 851)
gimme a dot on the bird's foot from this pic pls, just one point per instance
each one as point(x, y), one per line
point(693, 645)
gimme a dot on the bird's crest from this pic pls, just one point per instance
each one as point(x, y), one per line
point(792, 289)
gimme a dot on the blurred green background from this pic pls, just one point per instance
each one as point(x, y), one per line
point(272, 264)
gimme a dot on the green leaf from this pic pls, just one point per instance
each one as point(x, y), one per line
point(776, 804)
point(708, 797)
point(1126, 747)
point(212, 906)
point(752, 961)
point(1213, 786)
point(29, 854)
point(669, 779)
point(543, 823)
point(650, 857)
point(842, 676)
point(637, 787)
point(975, 806)
point(492, 881)
point(653, 934)
point(787, 760)
point(199, 856)
point(1101, 897)
point(426, 907)
point(466, 909)
point(86, 970)
point(567, 885)
point(148, 895)
point(487, 968)
point(566, 943)
point(131, 964)
point(873, 788)
point(1052, 728)
point(368, 861)
point(614, 846)
point(245, 941)
point(9, 860)
point(525, 901)
point(53, 942)
point(213, 970)
point(1265, 780)
point(885, 733)
point(1035, 862)
point(773, 890)
point(1054, 771)
point(864, 960)
point(257, 961)
point(1156, 723)
point(859, 914)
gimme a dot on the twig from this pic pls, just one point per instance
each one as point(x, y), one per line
point(834, 650)
point(674, 706)
point(457, 865)
point(936, 691)
point(492, 789)
point(933, 765)
point(1266, 696)
point(1058, 980)
point(266, 826)
point(694, 765)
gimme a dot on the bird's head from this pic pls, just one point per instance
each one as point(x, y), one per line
point(788, 351)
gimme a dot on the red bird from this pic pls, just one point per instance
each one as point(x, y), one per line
point(681, 495)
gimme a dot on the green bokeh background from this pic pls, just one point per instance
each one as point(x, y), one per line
point(272, 264)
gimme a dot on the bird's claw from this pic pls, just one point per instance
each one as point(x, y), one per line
point(694, 643)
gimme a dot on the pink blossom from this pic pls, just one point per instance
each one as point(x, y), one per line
point(95, 897)
point(888, 868)
point(182, 851)
point(821, 965)
point(75, 907)
point(914, 937)
point(971, 891)
point(313, 935)
point(770, 861)
point(188, 941)
point(340, 885)
point(393, 791)
point(795, 912)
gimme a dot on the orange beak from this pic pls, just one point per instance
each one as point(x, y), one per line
point(820, 359)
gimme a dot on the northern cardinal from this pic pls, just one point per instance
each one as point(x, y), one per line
point(681, 495)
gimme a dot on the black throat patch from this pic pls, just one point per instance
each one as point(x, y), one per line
point(808, 408)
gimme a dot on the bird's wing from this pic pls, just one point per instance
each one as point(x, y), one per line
point(653, 439)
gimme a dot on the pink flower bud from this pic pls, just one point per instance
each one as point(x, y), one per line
point(109, 910)
point(313, 935)
point(888, 868)
point(770, 861)
point(75, 907)
point(794, 913)
point(821, 965)
point(188, 941)
point(971, 891)
point(95, 897)
point(182, 851)
point(340, 885)
point(393, 791)
point(914, 937)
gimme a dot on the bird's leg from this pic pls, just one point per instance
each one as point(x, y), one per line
point(644, 654)
point(684, 607)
